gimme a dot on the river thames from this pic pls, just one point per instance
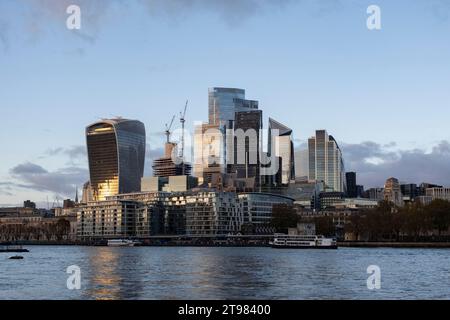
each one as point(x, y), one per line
point(225, 273)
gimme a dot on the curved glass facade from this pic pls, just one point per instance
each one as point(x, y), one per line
point(116, 153)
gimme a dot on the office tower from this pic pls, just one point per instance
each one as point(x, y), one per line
point(325, 161)
point(208, 143)
point(359, 191)
point(116, 153)
point(374, 194)
point(352, 191)
point(302, 164)
point(223, 103)
point(280, 141)
point(167, 167)
point(243, 159)
point(392, 192)
point(410, 190)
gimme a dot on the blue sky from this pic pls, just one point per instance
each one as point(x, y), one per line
point(383, 94)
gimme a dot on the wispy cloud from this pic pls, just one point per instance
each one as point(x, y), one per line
point(60, 182)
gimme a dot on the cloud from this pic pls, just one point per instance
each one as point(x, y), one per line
point(374, 163)
point(38, 15)
point(61, 182)
point(72, 152)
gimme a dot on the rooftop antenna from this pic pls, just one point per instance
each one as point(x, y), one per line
point(168, 127)
point(183, 120)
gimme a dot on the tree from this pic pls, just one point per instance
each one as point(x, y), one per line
point(439, 211)
point(284, 217)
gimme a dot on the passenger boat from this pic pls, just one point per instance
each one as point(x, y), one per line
point(284, 241)
point(122, 243)
point(12, 248)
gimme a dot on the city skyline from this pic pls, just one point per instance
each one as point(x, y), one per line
point(390, 123)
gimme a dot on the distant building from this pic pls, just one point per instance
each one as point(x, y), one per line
point(108, 219)
point(116, 153)
point(168, 184)
point(410, 191)
point(352, 191)
point(283, 146)
point(29, 204)
point(244, 159)
point(331, 199)
point(325, 161)
point(392, 192)
point(87, 194)
point(359, 191)
point(424, 186)
point(212, 213)
point(438, 193)
point(257, 208)
point(374, 194)
point(208, 146)
point(167, 167)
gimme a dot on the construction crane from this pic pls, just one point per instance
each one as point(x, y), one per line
point(183, 120)
point(168, 128)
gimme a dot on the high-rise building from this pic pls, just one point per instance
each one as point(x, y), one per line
point(223, 103)
point(326, 162)
point(280, 141)
point(352, 188)
point(211, 147)
point(392, 192)
point(374, 194)
point(116, 153)
point(243, 160)
point(208, 143)
point(410, 190)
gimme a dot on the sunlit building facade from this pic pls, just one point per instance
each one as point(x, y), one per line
point(326, 162)
point(392, 192)
point(116, 154)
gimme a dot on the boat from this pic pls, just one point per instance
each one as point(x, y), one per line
point(16, 258)
point(122, 243)
point(285, 241)
point(12, 248)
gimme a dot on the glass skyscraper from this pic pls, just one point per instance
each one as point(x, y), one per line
point(116, 154)
point(283, 146)
point(325, 161)
point(223, 103)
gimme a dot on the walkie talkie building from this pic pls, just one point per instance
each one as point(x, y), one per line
point(116, 153)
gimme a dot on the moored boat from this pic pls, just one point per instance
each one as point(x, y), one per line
point(284, 241)
point(122, 243)
point(12, 248)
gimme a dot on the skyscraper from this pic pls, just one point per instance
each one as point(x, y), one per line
point(223, 103)
point(352, 188)
point(116, 153)
point(210, 139)
point(282, 144)
point(325, 161)
point(245, 161)
point(392, 192)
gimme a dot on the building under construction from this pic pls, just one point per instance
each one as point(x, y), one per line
point(166, 167)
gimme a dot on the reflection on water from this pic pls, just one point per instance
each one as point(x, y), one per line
point(225, 273)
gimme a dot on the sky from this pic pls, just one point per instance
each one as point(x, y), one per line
point(383, 94)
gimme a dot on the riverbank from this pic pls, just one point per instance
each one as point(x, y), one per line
point(342, 244)
point(421, 245)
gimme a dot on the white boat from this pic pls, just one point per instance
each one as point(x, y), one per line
point(122, 243)
point(302, 242)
